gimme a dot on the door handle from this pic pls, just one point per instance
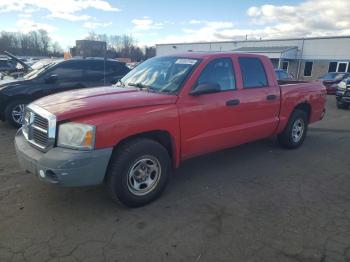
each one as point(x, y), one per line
point(271, 97)
point(234, 102)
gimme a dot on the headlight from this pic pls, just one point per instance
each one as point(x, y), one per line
point(76, 136)
point(342, 85)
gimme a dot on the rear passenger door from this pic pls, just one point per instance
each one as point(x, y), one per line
point(259, 99)
point(94, 73)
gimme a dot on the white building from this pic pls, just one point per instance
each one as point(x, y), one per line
point(305, 58)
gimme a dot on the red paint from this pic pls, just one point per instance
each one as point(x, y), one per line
point(196, 124)
point(331, 86)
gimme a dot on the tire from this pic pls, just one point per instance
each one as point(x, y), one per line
point(13, 106)
point(126, 180)
point(294, 133)
point(341, 105)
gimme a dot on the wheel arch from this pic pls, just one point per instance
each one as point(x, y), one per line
point(163, 137)
point(304, 106)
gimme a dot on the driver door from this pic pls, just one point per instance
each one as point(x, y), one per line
point(208, 121)
point(65, 76)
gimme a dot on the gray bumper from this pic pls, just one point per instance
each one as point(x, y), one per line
point(62, 166)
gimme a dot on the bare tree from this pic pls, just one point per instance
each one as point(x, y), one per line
point(123, 46)
point(35, 43)
point(45, 40)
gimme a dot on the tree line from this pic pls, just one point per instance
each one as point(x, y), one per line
point(34, 43)
point(39, 43)
point(123, 46)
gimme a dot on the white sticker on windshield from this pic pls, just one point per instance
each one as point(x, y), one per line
point(185, 61)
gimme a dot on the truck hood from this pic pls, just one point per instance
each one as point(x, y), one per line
point(83, 102)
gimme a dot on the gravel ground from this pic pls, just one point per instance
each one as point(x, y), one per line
point(256, 202)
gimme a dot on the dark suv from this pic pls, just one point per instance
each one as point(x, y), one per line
point(54, 77)
point(343, 94)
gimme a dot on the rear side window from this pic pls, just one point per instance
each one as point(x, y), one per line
point(253, 72)
point(219, 71)
point(68, 70)
point(94, 67)
point(116, 68)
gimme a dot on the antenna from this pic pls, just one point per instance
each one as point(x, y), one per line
point(104, 66)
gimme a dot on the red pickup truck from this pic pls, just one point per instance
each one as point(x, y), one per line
point(164, 111)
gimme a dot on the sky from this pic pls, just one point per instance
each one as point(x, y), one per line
point(157, 21)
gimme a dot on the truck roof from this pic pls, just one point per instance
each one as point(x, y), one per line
point(206, 55)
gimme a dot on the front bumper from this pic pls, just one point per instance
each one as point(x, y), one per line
point(3, 102)
point(343, 96)
point(62, 166)
point(331, 90)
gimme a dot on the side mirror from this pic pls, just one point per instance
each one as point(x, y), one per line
point(51, 79)
point(205, 88)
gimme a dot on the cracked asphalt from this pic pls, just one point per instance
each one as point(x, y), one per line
point(256, 202)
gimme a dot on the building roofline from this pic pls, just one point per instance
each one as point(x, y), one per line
point(265, 51)
point(258, 40)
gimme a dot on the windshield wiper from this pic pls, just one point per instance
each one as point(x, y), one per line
point(141, 86)
point(120, 83)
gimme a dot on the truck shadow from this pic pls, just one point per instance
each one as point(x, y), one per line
point(193, 175)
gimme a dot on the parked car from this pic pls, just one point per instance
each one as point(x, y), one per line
point(166, 110)
point(343, 94)
point(11, 66)
point(53, 77)
point(331, 81)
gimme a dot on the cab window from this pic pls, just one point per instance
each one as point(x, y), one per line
point(220, 72)
point(253, 72)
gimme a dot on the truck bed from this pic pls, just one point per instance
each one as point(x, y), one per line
point(311, 94)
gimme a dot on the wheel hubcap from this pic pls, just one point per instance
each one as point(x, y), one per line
point(144, 175)
point(298, 130)
point(18, 113)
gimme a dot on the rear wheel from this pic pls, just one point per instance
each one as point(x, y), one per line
point(138, 172)
point(14, 112)
point(295, 132)
point(341, 105)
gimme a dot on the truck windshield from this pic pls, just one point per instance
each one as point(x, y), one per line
point(160, 74)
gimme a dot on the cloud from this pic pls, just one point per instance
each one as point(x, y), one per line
point(27, 25)
point(207, 32)
point(64, 9)
point(310, 18)
point(94, 25)
point(69, 17)
point(145, 24)
point(194, 22)
point(25, 15)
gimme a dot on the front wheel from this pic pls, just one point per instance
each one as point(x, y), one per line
point(14, 112)
point(138, 172)
point(341, 105)
point(295, 132)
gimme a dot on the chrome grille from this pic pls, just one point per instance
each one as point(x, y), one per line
point(40, 137)
point(39, 127)
point(40, 122)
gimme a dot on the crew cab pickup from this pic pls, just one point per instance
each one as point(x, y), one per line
point(168, 109)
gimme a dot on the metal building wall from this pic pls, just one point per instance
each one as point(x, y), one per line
point(336, 48)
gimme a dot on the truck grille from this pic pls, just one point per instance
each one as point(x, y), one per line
point(39, 127)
